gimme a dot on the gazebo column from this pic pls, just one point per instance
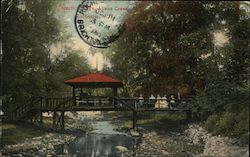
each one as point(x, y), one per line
point(114, 96)
point(73, 91)
point(115, 92)
point(74, 94)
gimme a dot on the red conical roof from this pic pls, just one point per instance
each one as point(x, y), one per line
point(94, 80)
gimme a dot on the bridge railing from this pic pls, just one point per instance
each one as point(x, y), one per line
point(23, 109)
point(123, 102)
point(129, 103)
point(51, 103)
point(40, 103)
point(136, 103)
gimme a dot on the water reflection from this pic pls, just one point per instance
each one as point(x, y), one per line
point(105, 127)
point(96, 145)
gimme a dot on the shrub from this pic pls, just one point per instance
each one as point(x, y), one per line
point(244, 138)
point(225, 124)
point(242, 125)
point(230, 124)
point(211, 122)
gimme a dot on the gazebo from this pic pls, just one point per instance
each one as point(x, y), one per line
point(94, 80)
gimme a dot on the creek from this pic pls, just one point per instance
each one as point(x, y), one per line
point(102, 141)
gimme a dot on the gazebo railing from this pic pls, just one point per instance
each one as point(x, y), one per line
point(97, 101)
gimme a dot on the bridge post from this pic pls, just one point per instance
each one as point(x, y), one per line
point(188, 116)
point(41, 102)
point(134, 120)
point(54, 120)
point(62, 120)
point(41, 117)
point(135, 116)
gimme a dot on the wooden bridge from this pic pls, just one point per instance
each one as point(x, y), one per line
point(34, 110)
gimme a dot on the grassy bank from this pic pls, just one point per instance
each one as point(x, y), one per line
point(12, 134)
point(164, 122)
point(230, 124)
point(156, 121)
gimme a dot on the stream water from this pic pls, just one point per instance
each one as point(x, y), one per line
point(102, 141)
point(94, 145)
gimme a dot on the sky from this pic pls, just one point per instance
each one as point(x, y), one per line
point(66, 13)
point(67, 16)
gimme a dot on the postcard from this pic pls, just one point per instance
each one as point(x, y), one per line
point(116, 78)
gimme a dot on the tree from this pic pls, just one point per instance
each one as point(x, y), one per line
point(67, 64)
point(162, 45)
point(225, 100)
point(30, 30)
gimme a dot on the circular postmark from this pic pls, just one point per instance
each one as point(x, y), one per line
point(99, 23)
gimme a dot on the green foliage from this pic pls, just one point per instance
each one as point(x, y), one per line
point(161, 122)
point(165, 122)
point(214, 98)
point(242, 124)
point(211, 122)
point(228, 108)
point(230, 124)
point(230, 111)
point(225, 99)
point(64, 67)
point(25, 48)
point(225, 124)
point(244, 138)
